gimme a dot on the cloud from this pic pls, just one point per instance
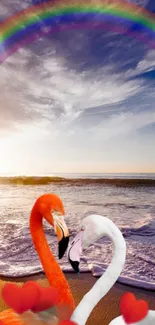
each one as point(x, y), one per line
point(10, 7)
point(122, 124)
point(147, 63)
point(37, 88)
point(14, 108)
point(143, 66)
point(142, 3)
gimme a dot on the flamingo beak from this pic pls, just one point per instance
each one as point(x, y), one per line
point(62, 233)
point(63, 244)
point(74, 251)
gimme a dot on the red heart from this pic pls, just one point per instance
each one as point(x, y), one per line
point(11, 293)
point(133, 310)
point(21, 299)
point(30, 295)
point(48, 298)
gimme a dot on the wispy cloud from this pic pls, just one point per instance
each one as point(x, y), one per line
point(147, 63)
point(72, 99)
point(123, 124)
point(144, 67)
point(36, 87)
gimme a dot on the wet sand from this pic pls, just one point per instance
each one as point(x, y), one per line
point(106, 310)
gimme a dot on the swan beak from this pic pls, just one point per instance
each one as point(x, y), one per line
point(75, 266)
point(74, 251)
point(62, 233)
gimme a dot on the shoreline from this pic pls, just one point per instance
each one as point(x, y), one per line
point(122, 280)
point(106, 310)
point(41, 275)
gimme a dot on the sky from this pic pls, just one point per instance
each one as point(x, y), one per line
point(77, 101)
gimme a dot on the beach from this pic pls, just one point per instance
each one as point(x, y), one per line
point(129, 203)
point(131, 208)
point(106, 310)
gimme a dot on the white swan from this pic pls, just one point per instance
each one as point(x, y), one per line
point(93, 228)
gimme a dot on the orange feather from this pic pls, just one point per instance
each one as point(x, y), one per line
point(43, 208)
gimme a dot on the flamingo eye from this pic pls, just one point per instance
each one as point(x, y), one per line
point(82, 228)
point(56, 212)
point(57, 216)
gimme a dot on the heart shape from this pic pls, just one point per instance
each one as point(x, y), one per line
point(30, 295)
point(21, 299)
point(133, 310)
point(10, 294)
point(48, 298)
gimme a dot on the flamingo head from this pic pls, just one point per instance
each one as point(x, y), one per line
point(51, 208)
point(92, 229)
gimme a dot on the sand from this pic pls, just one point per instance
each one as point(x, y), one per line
point(107, 308)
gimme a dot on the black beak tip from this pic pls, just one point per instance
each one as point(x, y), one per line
point(63, 244)
point(75, 266)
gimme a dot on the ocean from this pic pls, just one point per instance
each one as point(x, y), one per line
point(127, 199)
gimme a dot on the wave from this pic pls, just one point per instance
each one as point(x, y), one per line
point(36, 180)
point(144, 229)
point(98, 272)
point(18, 257)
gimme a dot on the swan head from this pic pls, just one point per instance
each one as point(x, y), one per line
point(92, 228)
point(51, 208)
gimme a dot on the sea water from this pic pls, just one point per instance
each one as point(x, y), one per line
point(131, 208)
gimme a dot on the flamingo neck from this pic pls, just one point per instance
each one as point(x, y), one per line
point(106, 281)
point(51, 268)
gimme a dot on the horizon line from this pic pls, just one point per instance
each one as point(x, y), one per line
point(71, 173)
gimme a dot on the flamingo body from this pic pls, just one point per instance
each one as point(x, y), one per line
point(50, 207)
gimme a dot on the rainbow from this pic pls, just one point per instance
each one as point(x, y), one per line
point(56, 16)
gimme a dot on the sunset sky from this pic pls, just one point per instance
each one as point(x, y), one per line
point(77, 101)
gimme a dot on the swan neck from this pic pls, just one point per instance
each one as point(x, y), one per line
point(106, 281)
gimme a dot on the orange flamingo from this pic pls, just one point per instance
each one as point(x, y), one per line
point(50, 207)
